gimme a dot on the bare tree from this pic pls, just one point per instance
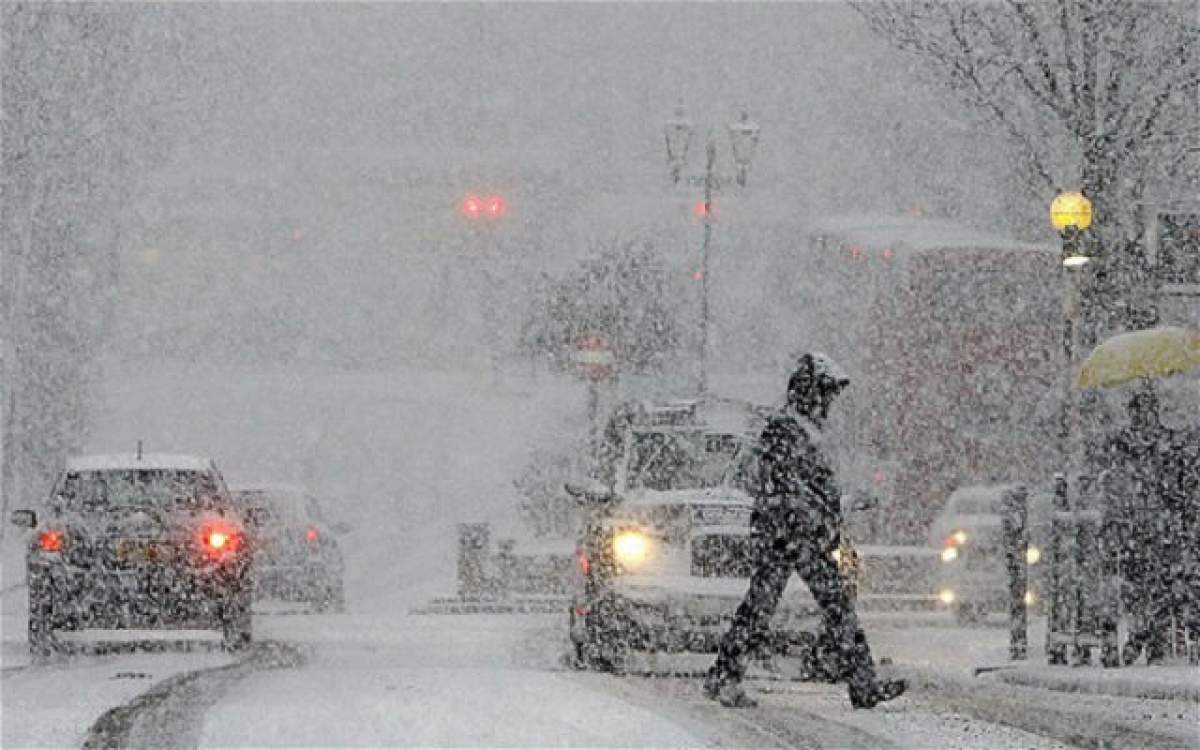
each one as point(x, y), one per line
point(1095, 94)
point(624, 293)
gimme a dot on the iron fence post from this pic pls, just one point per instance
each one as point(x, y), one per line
point(1015, 518)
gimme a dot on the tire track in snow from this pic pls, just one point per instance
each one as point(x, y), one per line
point(171, 713)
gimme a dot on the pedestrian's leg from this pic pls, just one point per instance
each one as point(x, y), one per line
point(751, 621)
point(841, 624)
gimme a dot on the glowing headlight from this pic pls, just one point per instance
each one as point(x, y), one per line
point(630, 548)
point(946, 596)
point(950, 554)
point(836, 555)
point(1030, 598)
point(1032, 555)
point(960, 537)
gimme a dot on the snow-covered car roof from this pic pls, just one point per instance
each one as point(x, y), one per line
point(718, 415)
point(125, 461)
point(714, 497)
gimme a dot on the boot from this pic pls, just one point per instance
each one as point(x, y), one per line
point(879, 693)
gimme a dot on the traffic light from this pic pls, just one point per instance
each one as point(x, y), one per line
point(495, 207)
point(484, 207)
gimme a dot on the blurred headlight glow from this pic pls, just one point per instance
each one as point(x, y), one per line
point(836, 555)
point(1030, 598)
point(630, 548)
point(949, 554)
point(960, 537)
point(1032, 555)
point(946, 596)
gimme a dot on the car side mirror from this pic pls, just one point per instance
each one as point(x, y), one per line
point(26, 519)
point(590, 491)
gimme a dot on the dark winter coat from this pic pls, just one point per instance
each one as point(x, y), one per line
point(796, 495)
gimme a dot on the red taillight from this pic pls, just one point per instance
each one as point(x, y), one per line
point(219, 540)
point(585, 565)
point(311, 535)
point(50, 541)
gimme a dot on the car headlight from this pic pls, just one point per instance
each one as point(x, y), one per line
point(1032, 555)
point(959, 537)
point(837, 555)
point(949, 554)
point(1030, 598)
point(630, 548)
point(946, 596)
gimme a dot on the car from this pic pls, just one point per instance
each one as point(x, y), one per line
point(298, 556)
point(665, 552)
point(137, 541)
point(968, 535)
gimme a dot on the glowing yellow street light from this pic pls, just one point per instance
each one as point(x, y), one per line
point(1071, 210)
point(1071, 213)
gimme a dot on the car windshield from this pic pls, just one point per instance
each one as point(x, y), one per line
point(160, 488)
point(681, 459)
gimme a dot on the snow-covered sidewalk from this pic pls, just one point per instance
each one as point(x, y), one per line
point(982, 653)
point(1178, 682)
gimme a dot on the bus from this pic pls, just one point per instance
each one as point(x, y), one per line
point(955, 338)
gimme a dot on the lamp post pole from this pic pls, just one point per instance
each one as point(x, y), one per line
point(743, 136)
point(1070, 213)
point(709, 184)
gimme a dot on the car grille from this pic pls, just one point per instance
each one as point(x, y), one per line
point(722, 556)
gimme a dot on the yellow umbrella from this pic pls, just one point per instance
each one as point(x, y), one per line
point(1153, 353)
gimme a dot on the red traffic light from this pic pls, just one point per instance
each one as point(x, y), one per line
point(484, 207)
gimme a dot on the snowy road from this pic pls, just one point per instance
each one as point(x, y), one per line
point(377, 678)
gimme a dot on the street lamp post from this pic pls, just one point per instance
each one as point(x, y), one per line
point(1071, 215)
point(743, 138)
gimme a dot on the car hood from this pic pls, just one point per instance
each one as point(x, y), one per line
point(691, 595)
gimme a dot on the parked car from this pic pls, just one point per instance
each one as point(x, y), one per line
point(968, 535)
point(665, 553)
point(298, 556)
point(137, 541)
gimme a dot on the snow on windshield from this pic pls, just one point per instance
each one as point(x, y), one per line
point(680, 459)
point(165, 488)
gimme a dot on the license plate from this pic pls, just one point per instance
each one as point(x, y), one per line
point(142, 551)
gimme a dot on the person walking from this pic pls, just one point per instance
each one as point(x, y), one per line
point(796, 526)
point(1139, 457)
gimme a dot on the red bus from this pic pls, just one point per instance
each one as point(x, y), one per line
point(956, 340)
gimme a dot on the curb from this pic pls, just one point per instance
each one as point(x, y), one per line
point(1130, 687)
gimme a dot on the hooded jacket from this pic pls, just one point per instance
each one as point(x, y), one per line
point(796, 481)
